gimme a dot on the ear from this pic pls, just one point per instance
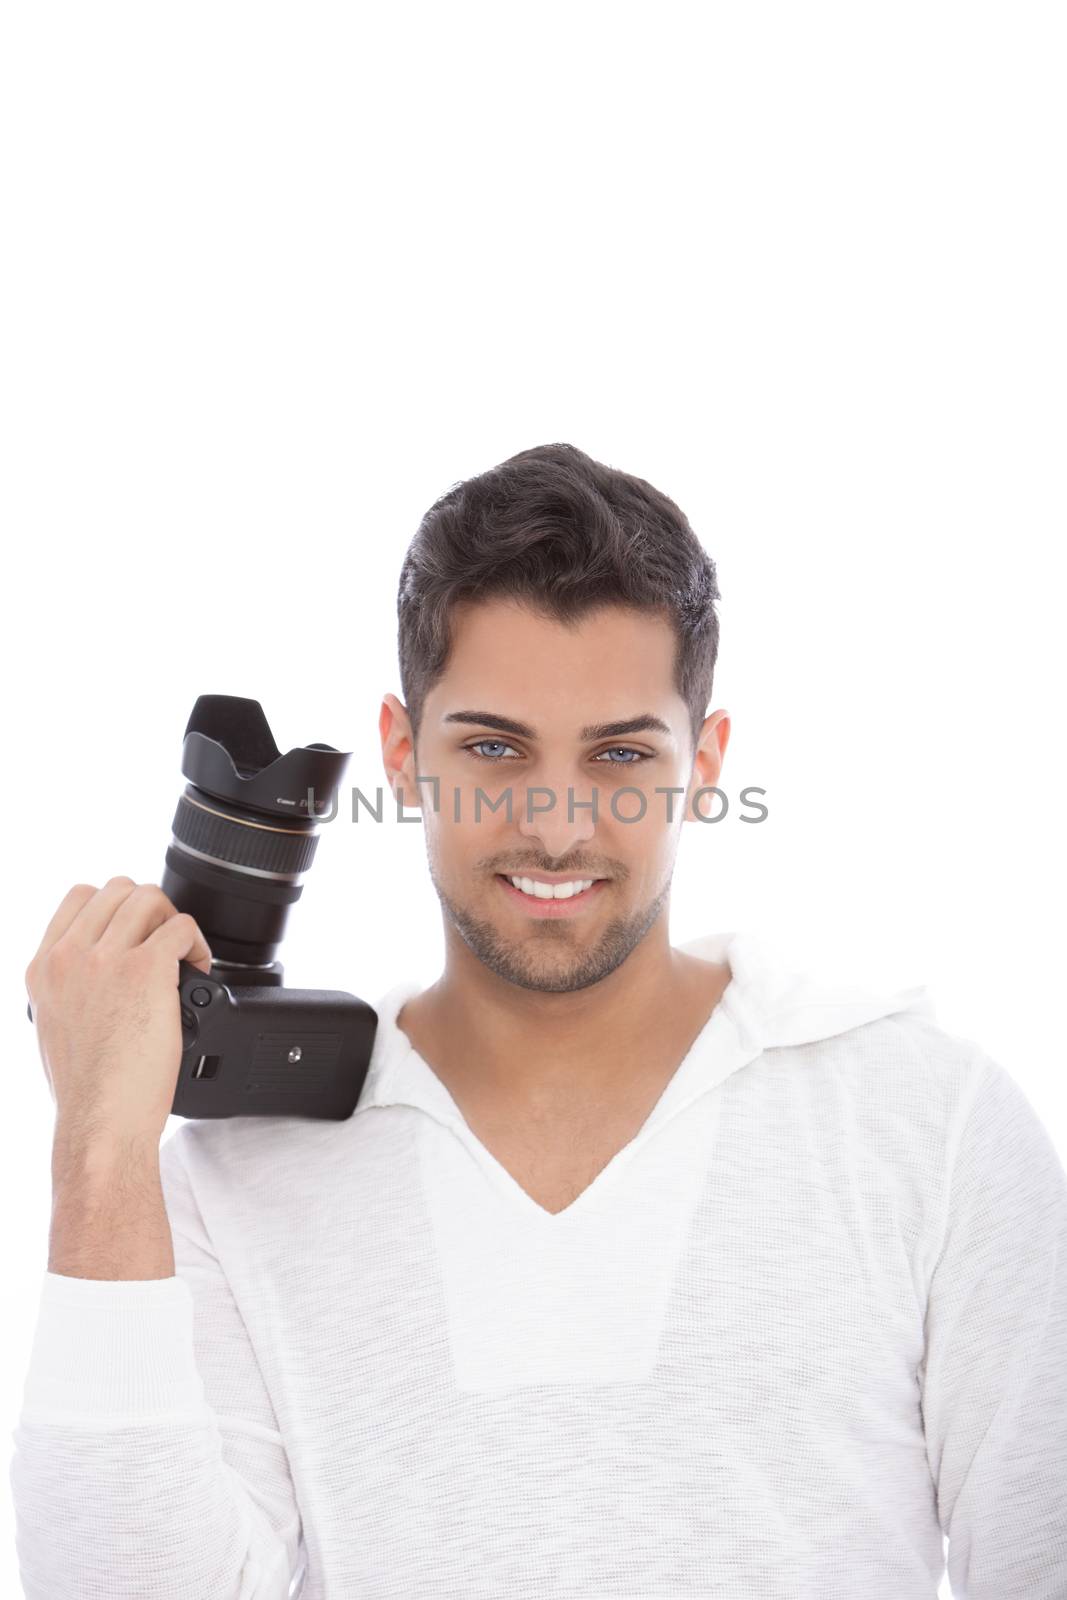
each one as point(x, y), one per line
point(707, 765)
point(398, 752)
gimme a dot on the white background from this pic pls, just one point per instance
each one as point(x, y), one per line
point(276, 276)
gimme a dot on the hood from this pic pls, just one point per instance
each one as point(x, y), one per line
point(780, 1005)
point(766, 1005)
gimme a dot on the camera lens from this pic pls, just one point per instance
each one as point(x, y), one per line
point(245, 830)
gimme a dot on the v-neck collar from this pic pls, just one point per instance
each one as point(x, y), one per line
point(729, 1038)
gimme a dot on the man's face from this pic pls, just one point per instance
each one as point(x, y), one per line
point(560, 689)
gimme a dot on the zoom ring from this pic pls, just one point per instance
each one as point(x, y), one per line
point(242, 844)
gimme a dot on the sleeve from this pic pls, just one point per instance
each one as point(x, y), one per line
point(148, 1460)
point(994, 1370)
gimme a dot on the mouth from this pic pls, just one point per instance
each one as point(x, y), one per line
point(539, 905)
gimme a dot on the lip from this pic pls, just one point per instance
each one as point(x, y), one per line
point(552, 908)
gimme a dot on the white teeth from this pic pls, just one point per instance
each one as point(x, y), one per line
point(551, 891)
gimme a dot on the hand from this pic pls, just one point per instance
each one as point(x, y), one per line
point(103, 986)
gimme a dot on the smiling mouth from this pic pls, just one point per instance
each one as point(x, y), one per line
point(561, 888)
point(545, 899)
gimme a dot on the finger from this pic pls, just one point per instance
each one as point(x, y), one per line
point(95, 914)
point(143, 910)
point(67, 910)
point(180, 937)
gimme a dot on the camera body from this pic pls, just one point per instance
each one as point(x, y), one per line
point(262, 1050)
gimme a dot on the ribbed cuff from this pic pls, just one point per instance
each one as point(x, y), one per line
point(113, 1351)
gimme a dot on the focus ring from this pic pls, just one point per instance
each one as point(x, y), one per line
point(242, 844)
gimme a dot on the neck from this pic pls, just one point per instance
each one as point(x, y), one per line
point(488, 1037)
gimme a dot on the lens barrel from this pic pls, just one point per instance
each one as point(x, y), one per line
point(245, 830)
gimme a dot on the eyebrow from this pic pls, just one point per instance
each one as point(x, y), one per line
point(596, 730)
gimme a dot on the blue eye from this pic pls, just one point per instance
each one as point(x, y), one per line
point(624, 749)
point(473, 748)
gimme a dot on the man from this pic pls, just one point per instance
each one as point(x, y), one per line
point(639, 1271)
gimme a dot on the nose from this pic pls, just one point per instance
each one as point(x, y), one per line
point(558, 817)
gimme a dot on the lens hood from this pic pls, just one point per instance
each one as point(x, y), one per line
point(230, 752)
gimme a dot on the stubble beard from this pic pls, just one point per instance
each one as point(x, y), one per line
point(550, 961)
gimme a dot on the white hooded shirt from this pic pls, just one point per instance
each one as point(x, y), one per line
point(806, 1326)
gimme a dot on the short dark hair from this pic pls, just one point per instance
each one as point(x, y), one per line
point(555, 530)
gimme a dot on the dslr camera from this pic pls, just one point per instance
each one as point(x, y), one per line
point(244, 836)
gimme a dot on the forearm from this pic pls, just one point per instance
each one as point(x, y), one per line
point(108, 1216)
point(125, 1481)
